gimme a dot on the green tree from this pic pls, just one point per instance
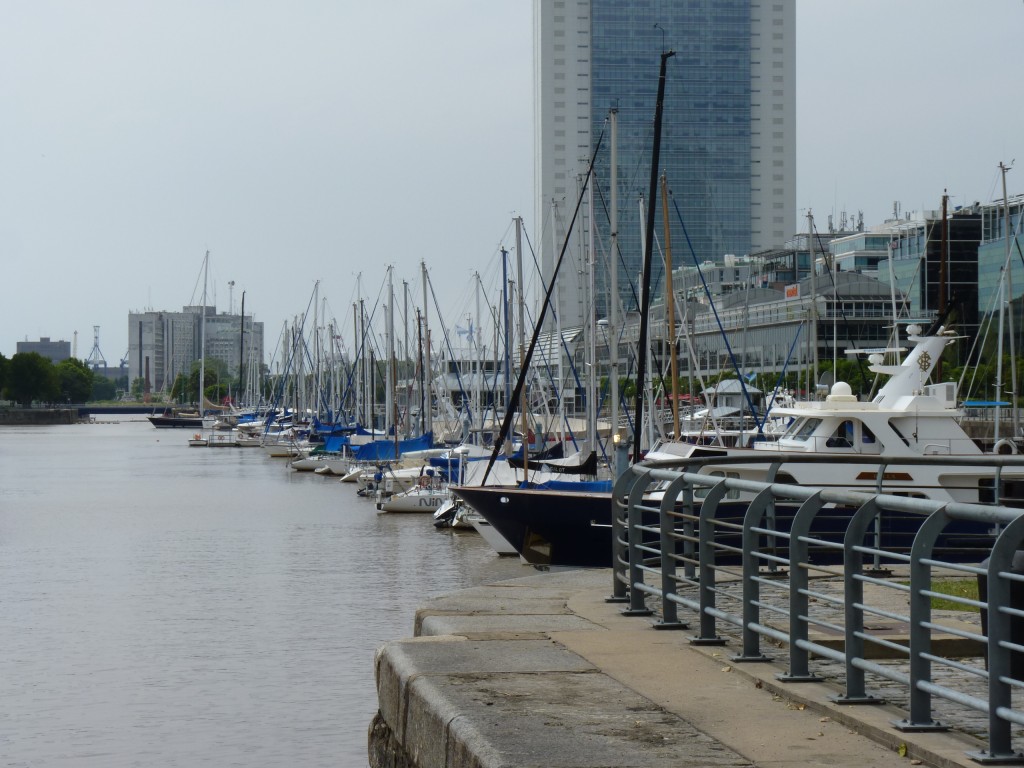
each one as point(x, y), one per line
point(103, 388)
point(75, 380)
point(3, 372)
point(186, 388)
point(138, 388)
point(30, 376)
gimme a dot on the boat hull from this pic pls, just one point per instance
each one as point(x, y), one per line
point(567, 529)
point(552, 528)
point(176, 422)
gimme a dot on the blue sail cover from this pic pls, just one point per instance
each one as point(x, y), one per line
point(586, 486)
point(335, 443)
point(384, 450)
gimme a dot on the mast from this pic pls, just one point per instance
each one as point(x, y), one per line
point(558, 331)
point(426, 419)
point(670, 308)
point(405, 356)
point(389, 395)
point(202, 339)
point(241, 349)
point(812, 338)
point(523, 416)
point(613, 298)
point(1002, 310)
point(645, 287)
point(506, 320)
point(591, 307)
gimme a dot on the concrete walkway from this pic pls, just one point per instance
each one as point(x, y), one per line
point(542, 671)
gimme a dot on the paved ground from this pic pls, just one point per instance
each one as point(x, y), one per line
point(544, 671)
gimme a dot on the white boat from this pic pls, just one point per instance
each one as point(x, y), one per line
point(426, 496)
point(907, 420)
point(387, 481)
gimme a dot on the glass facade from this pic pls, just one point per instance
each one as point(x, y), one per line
point(706, 127)
point(992, 254)
point(917, 266)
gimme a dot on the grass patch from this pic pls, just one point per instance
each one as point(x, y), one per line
point(965, 588)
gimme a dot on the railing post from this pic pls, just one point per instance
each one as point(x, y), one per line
point(753, 518)
point(706, 565)
point(620, 556)
point(634, 521)
point(799, 605)
point(1000, 667)
point(666, 520)
point(853, 599)
point(920, 716)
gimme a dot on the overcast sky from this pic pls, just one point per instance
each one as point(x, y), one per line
point(323, 140)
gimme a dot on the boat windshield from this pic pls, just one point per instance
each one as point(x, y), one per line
point(802, 429)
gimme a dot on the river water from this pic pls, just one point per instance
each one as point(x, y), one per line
point(162, 605)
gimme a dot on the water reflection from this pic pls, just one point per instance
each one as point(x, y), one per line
point(166, 605)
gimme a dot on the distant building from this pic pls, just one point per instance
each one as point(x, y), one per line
point(54, 351)
point(162, 345)
point(992, 253)
point(728, 143)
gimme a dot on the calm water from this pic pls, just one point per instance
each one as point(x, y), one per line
point(162, 605)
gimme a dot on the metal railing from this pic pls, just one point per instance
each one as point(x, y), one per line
point(752, 556)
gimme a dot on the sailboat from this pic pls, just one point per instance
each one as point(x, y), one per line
point(172, 418)
point(566, 510)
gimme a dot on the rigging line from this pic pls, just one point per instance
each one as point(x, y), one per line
point(782, 374)
point(466, 400)
point(842, 312)
point(718, 320)
point(645, 286)
point(517, 392)
point(617, 258)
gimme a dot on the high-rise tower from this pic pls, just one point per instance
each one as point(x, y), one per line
point(728, 139)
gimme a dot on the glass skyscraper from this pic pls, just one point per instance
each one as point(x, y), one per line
point(728, 133)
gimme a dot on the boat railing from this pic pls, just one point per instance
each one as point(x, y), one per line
point(849, 608)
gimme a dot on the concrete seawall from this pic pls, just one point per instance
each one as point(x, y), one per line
point(542, 671)
point(37, 416)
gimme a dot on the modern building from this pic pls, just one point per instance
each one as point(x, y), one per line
point(728, 143)
point(1002, 243)
point(162, 345)
point(54, 351)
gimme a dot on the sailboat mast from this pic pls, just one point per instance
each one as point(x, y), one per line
point(645, 287)
point(523, 416)
point(591, 305)
point(426, 412)
point(202, 338)
point(241, 350)
point(389, 394)
point(613, 291)
point(670, 308)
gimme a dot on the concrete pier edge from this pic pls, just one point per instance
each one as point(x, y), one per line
point(543, 671)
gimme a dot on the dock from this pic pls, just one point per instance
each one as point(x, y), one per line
point(545, 671)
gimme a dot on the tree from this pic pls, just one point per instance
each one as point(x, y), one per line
point(3, 372)
point(103, 388)
point(186, 388)
point(75, 380)
point(30, 376)
point(138, 388)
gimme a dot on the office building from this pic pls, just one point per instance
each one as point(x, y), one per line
point(54, 351)
point(728, 146)
point(162, 345)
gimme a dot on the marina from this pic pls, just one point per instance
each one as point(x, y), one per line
point(173, 606)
